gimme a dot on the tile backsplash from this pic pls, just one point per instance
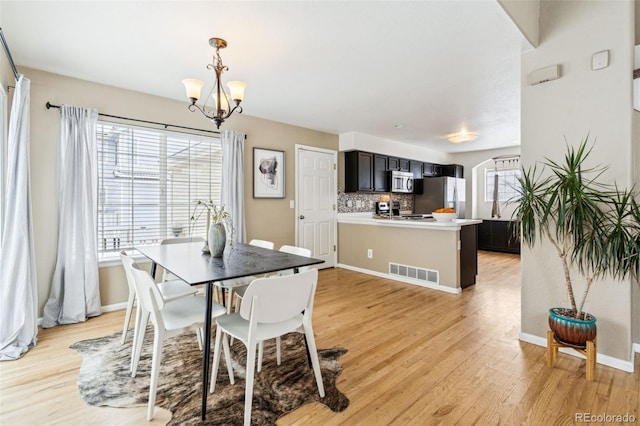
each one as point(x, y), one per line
point(360, 202)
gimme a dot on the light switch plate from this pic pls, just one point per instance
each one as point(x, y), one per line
point(600, 60)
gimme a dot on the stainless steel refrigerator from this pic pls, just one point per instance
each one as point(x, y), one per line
point(439, 192)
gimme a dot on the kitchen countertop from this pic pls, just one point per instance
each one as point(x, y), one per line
point(368, 219)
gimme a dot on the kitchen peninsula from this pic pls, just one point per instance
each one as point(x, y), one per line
point(438, 255)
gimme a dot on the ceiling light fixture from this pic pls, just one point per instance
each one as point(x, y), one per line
point(462, 136)
point(221, 99)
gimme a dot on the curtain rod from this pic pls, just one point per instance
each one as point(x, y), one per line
point(49, 105)
point(6, 50)
point(508, 156)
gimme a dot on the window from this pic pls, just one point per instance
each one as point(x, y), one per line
point(508, 183)
point(148, 183)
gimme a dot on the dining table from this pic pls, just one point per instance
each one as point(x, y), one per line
point(188, 262)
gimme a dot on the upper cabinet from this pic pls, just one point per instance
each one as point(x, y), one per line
point(431, 170)
point(415, 167)
point(452, 170)
point(395, 163)
point(380, 182)
point(367, 172)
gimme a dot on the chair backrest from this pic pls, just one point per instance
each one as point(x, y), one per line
point(277, 299)
point(182, 240)
point(262, 243)
point(166, 275)
point(300, 251)
point(127, 262)
point(148, 294)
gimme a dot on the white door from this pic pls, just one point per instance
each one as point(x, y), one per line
point(316, 198)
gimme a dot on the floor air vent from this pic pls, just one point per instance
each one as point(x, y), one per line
point(420, 274)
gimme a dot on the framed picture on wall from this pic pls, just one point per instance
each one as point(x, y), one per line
point(268, 173)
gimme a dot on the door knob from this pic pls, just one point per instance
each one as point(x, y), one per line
point(301, 216)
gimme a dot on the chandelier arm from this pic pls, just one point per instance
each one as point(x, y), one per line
point(193, 107)
point(237, 107)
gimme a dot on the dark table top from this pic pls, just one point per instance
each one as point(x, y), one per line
point(187, 262)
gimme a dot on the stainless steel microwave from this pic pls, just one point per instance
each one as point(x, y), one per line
point(401, 181)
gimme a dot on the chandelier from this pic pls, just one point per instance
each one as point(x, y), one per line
point(221, 109)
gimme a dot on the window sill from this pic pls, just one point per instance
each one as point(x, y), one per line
point(108, 261)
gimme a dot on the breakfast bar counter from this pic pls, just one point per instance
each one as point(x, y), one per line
point(438, 255)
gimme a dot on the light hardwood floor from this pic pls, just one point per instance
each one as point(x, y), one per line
point(415, 357)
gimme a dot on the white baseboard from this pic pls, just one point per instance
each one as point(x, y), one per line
point(401, 279)
point(607, 360)
point(107, 308)
point(636, 348)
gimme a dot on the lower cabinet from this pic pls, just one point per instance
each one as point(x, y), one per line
point(468, 255)
point(498, 235)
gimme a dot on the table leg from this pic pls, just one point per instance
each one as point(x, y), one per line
point(206, 350)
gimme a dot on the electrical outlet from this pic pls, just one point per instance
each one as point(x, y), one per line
point(370, 253)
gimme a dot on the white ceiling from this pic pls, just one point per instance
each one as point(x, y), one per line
point(335, 66)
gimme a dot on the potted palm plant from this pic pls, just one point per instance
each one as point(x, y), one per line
point(594, 228)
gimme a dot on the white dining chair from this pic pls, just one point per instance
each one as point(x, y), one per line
point(166, 275)
point(232, 286)
point(169, 290)
point(271, 307)
point(169, 319)
point(300, 251)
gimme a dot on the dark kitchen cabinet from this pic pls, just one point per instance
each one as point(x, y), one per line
point(395, 163)
point(415, 167)
point(452, 170)
point(498, 235)
point(358, 171)
point(380, 181)
point(365, 172)
point(431, 170)
point(468, 255)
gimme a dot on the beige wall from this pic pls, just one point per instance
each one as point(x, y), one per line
point(582, 101)
point(424, 248)
point(266, 219)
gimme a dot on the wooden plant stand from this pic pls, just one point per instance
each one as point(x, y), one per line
point(589, 352)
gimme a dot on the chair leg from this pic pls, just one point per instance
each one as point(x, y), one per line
point(199, 337)
point(230, 294)
point(158, 339)
point(136, 332)
point(227, 358)
point(144, 318)
point(216, 361)
point(313, 352)
point(278, 357)
point(248, 393)
point(127, 316)
point(260, 355)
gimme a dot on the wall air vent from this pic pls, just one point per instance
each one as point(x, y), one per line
point(415, 273)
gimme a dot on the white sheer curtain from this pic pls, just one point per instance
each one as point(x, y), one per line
point(75, 295)
point(232, 197)
point(18, 283)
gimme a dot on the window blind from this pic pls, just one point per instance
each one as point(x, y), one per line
point(508, 183)
point(149, 182)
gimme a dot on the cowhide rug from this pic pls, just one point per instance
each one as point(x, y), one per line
point(105, 380)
